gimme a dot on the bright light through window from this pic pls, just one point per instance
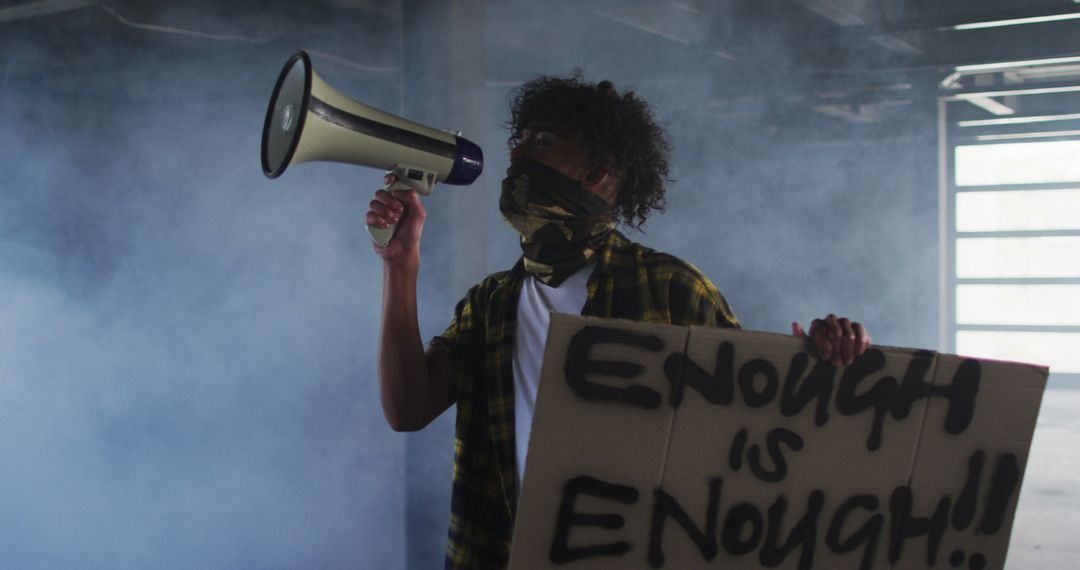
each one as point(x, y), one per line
point(1058, 350)
point(1054, 305)
point(1018, 163)
point(1012, 210)
point(1018, 257)
point(1017, 292)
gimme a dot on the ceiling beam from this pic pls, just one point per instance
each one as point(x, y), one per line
point(948, 23)
point(43, 8)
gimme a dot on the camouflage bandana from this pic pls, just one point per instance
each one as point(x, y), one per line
point(561, 224)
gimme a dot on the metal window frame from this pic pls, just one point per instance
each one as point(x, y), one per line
point(951, 136)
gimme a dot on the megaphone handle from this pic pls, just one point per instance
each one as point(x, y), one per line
point(382, 236)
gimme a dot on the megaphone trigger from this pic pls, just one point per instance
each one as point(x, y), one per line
point(405, 178)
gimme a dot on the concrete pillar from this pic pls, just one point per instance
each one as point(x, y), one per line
point(443, 77)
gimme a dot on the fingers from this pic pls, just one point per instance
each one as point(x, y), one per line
point(838, 340)
point(834, 330)
point(389, 207)
point(820, 337)
point(862, 339)
point(384, 209)
point(816, 327)
point(841, 340)
point(847, 341)
point(826, 349)
point(832, 324)
point(828, 345)
point(410, 200)
point(819, 333)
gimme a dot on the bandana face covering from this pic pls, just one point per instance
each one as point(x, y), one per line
point(561, 224)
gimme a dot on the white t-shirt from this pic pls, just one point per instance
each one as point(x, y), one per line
point(535, 305)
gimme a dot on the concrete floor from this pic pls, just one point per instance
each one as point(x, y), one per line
point(1046, 534)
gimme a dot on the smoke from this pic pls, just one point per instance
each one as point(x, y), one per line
point(187, 373)
point(186, 349)
point(800, 191)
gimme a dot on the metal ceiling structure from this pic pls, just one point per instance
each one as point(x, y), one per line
point(853, 61)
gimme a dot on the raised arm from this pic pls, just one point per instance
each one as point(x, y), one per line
point(414, 386)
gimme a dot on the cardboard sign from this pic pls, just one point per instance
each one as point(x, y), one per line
point(670, 447)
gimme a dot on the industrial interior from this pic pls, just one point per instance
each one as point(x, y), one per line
point(188, 356)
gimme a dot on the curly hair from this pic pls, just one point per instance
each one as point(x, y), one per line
point(617, 129)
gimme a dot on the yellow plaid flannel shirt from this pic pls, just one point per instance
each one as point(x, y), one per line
point(629, 282)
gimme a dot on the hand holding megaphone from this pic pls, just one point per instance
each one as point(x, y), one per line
point(387, 208)
point(404, 211)
point(308, 120)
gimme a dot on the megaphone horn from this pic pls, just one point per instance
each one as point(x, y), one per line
point(308, 120)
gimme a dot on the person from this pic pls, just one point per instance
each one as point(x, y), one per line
point(583, 157)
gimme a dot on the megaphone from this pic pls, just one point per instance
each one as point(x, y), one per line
point(308, 120)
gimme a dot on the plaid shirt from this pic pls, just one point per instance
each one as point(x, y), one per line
point(629, 282)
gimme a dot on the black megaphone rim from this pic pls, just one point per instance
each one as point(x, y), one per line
point(306, 59)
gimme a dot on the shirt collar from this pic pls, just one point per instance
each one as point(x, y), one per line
point(612, 256)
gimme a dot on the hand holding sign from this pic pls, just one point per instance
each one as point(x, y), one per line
point(836, 339)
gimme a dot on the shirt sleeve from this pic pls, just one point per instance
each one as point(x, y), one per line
point(694, 300)
point(716, 309)
point(463, 338)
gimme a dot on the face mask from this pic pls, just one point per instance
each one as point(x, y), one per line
point(561, 224)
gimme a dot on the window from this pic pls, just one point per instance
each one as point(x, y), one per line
point(1011, 200)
